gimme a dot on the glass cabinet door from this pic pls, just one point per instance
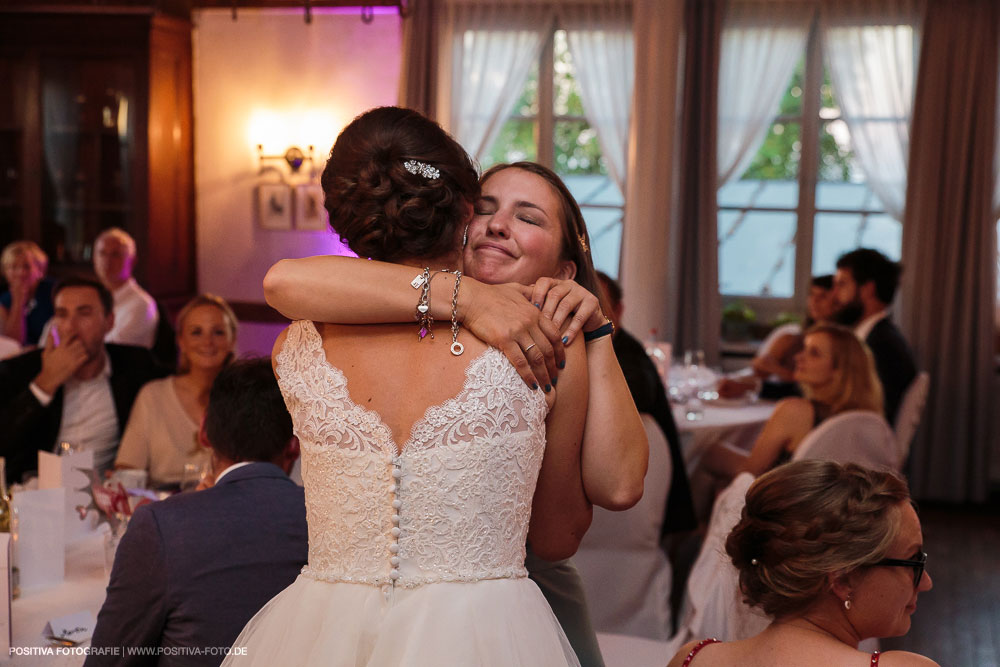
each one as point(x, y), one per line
point(88, 128)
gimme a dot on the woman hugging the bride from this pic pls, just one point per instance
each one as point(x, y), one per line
point(427, 461)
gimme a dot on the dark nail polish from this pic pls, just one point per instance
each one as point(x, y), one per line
point(548, 388)
point(565, 340)
point(534, 385)
point(538, 306)
point(555, 381)
point(561, 364)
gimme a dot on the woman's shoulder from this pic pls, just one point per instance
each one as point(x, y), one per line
point(154, 389)
point(905, 659)
point(795, 408)
point(689, 650)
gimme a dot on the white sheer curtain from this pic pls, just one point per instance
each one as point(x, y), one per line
point(761, 43)
point(872, 53)
point(600, 40)
point(494, 46)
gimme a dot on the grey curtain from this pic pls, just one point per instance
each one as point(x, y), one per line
point(418, 72)
point(949, 247)
point(698, 309)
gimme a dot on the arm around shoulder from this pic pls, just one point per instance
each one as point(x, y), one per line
point(615, 448)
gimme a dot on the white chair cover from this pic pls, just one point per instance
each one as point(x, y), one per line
point(910, 412)
point(713, 604)
point(626, 575)
point(790, 329)
point(855, 436)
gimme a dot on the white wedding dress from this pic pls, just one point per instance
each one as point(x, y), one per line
point(416, 558)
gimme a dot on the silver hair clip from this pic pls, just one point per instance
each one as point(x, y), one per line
point(422, 168)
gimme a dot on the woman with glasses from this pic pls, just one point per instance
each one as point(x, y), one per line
point(833, 554)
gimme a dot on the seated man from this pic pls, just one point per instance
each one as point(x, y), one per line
point(191, 570)
point(136, 316)
point(863, 289)
point(78, 389)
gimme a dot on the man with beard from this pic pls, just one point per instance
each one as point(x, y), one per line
point(863, 288)
point(77, 389)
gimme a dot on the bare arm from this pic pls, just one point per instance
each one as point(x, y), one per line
point(791, 420)
point(348, 290)
point(615, 449)
point(771, 363)
point(560, 510)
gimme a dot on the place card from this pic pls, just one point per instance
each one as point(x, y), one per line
point(77, 627)
point(54, 472)
point(40, 549)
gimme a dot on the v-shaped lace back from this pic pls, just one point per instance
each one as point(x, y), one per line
point(453, 505)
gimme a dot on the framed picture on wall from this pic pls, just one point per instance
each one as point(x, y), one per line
point(274, 206)
point(309, 211)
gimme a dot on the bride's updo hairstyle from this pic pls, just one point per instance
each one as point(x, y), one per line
point(806, 520)
point(379, 207)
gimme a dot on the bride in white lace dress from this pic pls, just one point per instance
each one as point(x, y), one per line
point(416, 543)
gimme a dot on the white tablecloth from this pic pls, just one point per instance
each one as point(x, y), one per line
point(739, 425)
point(82, 588)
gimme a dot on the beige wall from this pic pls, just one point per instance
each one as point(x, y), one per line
point(270, 78)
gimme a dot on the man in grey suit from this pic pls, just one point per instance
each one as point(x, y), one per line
point(191, 570)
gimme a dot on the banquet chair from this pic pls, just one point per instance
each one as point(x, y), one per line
point(626, 575)
point(911, 409)
point(854, 436)
point(713, 605)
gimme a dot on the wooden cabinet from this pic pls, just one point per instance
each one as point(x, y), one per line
point(95, 132)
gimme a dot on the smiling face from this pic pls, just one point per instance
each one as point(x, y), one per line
point(516, 233)
point(112, 261)
point(204, 339)
point(814, 365)
point(884, 597)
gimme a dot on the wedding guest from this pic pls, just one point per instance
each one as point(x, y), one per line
point(27, 304)
point(161, 432)
point(193, 569)
point(863, 289)
point(833, 554)
point(836, 373)
point(772, 370)
point(136, 316)
point(78, 389)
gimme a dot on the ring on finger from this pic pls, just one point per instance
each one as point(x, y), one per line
point(528, 348)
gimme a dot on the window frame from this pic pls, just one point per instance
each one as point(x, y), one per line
point(768, 308)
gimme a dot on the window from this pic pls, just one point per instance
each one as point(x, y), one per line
point(801, 203)
point(548, 125)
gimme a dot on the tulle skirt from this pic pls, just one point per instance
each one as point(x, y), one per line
point(489, 623)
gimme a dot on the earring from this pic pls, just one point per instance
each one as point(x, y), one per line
point(465, 237)
point(847, 604)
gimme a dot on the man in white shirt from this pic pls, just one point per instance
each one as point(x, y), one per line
point(863, 288)
point(135, 310)
point(77, 389)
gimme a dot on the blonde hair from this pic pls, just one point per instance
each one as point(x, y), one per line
point(806, 520)
point(206, 299)
point(35, 254)
point(855, 384)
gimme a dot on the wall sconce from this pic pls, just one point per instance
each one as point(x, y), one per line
point(289, 203)
point(294, 157)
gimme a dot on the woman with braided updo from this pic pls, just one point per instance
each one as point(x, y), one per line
point(833, 554)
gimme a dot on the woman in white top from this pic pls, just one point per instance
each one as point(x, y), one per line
point(162, 432)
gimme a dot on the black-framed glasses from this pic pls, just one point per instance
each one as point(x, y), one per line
point(918, 564)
